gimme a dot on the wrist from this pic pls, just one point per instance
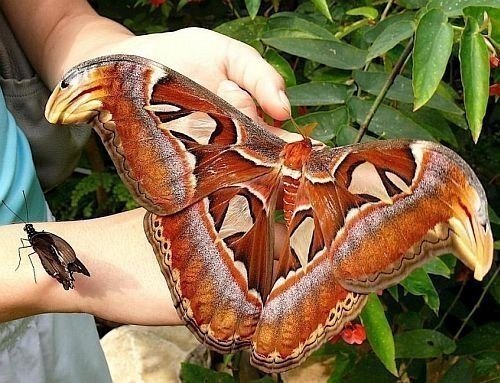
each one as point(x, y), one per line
point(76, 39)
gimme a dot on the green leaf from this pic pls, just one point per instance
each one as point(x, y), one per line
point(494, 218)
point(461, 372)
point(368, 369)
point(292, 22)
point(412, 4)
point(387, 121)
point(324, 73)
point(192, 373)
point(409, 320)
point(282, 66)
point(322, 6)
point(449, 260)
point(457, 119)
point(342, 364)
point(368, 12)
point(180, 5)
point(483, 338)
point(379, 332)
point(437, 267)
point(494, 15)
point(475, 72)
point(486, 366)
point(245, 29)
point(496, 245)
point(394, 291)
point(252, 7)
point(332, 53)
point(419, 283)
point(433, 43)
point(390, 37)
point(422, 343)
point(454, 8)
point(371, 34)
point(431, 121)
point(495, 289)
point(347, 135)
point(372, 82)
point(317, 93)
point(329, 123)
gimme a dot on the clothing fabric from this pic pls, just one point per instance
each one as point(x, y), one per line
point(50, 347)
point(55, 148)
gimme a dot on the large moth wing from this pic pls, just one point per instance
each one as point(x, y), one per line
point(414, 200)
point(358, 218)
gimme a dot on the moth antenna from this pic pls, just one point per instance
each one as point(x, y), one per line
point(295, 125)
point(13, 212)
point(306, 130)
point(26, 205)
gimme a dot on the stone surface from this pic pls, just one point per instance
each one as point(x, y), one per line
point(150, 354)
point(315, 369)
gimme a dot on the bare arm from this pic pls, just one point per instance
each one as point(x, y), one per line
point(125, 285)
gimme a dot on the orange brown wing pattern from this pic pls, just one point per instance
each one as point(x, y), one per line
point(358, 218)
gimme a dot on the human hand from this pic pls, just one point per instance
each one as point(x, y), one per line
point(221, 64)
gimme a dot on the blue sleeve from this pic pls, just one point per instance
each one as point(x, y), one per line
point(17, 173)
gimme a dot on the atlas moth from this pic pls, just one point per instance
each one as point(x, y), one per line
point(358, 218)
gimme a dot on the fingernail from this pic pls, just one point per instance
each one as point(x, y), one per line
point(285, 102)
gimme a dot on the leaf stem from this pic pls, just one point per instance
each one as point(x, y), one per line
point(392, 76)
point(386, 10)
point(351, 28)
point(478, 303)
point(455, 300)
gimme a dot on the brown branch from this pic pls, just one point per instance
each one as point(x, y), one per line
point(392, 76)
point(478, 303)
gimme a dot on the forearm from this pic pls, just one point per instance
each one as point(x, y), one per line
point(57, 35)
point(125, 285)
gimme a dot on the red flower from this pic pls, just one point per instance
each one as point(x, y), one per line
point(494, 61)
point(353, 333)
point(495, 90)
point(157, 3)
point(334, 339)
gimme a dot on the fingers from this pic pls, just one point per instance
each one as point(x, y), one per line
point(250, 71)
point(237, 97)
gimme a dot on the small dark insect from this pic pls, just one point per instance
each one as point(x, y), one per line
point(57, 256)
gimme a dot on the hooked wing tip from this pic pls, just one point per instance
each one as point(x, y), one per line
point(473, 244)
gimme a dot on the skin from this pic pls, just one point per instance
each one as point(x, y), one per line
point(126, 284)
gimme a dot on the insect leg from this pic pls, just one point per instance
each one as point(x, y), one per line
point(32, 265)
point(19, 253)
